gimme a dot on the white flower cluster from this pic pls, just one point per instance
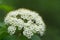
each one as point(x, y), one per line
point(29, 20)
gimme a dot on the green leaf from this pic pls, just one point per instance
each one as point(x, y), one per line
point(22, 37)
point(10, 37)
point(6, 7)
point(3, 32)
point(35, 37)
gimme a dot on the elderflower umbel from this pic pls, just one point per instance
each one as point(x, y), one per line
point(30, 21)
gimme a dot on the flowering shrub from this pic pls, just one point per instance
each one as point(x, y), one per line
point(30, 22)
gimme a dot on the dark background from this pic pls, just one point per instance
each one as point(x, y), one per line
point(48, 9)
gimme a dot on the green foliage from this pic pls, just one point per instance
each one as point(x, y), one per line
point(6, 8)
point(35, 37)
point(22, 37)
point(3, 32)
point(10, 37)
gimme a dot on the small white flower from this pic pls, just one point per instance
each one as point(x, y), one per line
point(11, 30)
point(31, 22)
point(28, 33)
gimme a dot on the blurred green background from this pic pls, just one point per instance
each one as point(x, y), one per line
point(48, 9)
